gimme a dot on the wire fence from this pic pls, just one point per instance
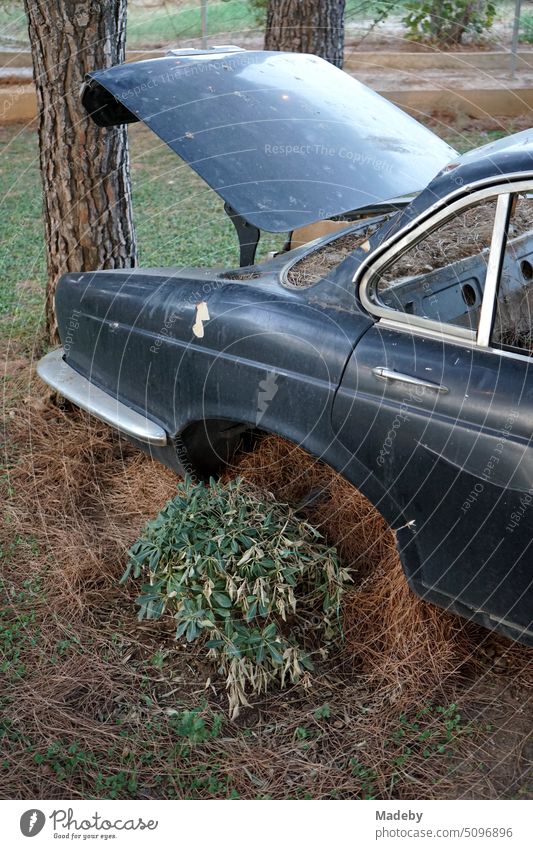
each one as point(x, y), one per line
point(158, 23)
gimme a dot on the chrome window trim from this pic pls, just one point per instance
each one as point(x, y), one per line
point(443, 336)
point(427, 221)
point(433, 332)
point(494, 266)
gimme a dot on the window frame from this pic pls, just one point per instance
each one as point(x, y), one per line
point(367, 275)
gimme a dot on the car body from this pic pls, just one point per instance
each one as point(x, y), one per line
point(401, 377)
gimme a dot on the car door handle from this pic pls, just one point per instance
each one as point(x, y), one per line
point(383, 373)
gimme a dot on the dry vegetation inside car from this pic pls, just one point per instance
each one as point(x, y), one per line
point(317, 264)
point(468, 235)
point(96, 704)
point(240, 274)
point(463, 236)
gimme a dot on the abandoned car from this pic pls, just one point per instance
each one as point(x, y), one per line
point(391, 337)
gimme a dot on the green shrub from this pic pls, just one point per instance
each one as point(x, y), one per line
point(246, 575)
point(445, 22)
point(526, 27)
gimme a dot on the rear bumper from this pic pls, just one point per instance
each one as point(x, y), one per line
point(53, 369)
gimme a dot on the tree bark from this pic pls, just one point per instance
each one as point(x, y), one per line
point(307, 26)
point(85, 170)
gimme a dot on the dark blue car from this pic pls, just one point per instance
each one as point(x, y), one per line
point(391, 338)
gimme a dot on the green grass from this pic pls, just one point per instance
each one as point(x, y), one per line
point(174, 22)
point(22, 260)
point(151, 26)
point(168, 24)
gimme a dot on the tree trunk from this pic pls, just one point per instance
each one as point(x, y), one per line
point(307, 26)
point(85, 170)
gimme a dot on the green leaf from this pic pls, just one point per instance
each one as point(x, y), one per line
point(251, 612)
point(269, 631)
point(126, 574)
point(274, 653)
point(222, 600)
point(192, 632)
point(180, 630)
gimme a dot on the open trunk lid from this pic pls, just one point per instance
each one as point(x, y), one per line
point(285, 139)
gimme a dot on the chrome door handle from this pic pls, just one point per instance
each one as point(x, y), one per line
point(383, 373)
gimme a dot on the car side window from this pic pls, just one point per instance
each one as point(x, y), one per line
point(513, 323)
point(441, 277)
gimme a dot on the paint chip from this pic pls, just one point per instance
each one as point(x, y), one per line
point(202, 314)
point(365, 246)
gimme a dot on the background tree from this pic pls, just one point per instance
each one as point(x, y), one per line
point(85, 170)
point(307, 26)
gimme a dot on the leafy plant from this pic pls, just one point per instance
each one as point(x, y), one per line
point(432, 731)
point(19, 632)
point(322, 712)
point(366, 777)
point(526, 27)
point(445, 22)
point(246, 575)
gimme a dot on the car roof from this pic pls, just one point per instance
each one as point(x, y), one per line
point(285, 139)
point(506, 159)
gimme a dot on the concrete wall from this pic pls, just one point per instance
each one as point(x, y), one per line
point(476, 103)
point(13, 58)
point(401, 60)
point(18, 104)
point(435, 60)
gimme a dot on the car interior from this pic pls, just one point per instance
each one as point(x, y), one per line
point(442, 277)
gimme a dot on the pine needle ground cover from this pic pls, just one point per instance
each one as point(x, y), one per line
point(97, 704)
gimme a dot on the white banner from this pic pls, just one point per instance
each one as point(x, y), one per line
point(258, 824)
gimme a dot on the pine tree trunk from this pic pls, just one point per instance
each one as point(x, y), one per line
point(85, 169)
point(307, 26)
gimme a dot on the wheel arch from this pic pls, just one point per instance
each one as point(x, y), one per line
point(206, 446)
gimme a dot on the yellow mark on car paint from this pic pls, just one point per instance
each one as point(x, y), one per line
point(202, 314)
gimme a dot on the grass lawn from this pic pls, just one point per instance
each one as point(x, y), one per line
point(152, 25)
point(174, 22)
point(97, 705)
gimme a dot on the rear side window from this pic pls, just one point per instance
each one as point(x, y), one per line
point(513, 323)
point(442, 276)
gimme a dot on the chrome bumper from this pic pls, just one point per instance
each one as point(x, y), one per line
point(74, 387)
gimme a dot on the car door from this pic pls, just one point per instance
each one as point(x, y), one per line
point(442, 413)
